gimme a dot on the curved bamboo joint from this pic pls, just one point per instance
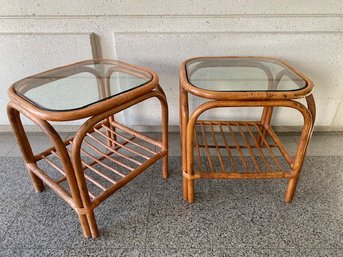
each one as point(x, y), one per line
point(89, 125)
point(252, 95)
point(184, 117)
point(95, 108)
point(74, 200)
point(305, 136)
point(99, 114)
point(93, 121)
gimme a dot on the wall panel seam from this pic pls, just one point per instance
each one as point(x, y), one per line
point(216, 16)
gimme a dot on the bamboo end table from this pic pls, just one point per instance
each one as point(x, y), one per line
point(103, 155)
point(221, 149)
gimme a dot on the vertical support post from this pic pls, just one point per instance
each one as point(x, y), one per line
point(309, 116)
point(24, 145)
point(13, 113)
point(164, 109)
point(184, 116)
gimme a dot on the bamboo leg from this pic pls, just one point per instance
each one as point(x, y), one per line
point(164, 107)
point(306, 134)
point(92, 224)
point(184, 114)
point(69, 171)
point(24, 145)
point(185, 188)
point(13, 111)
point(190, 191)
point(292, 185)
point(84, 225)
point(190, 159)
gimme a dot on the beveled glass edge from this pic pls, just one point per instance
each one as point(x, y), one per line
point(84, 106)
point(242, 96)
point(265, 59)
point(80, 64)
point(91, 110)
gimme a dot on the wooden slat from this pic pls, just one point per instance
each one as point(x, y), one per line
point(233, 164)
point(206, 148)
point(113, 150)
point(129, 140)
point(121, 145)
point(238, 147)
point(232, 146)
point(86, 176)
point(137, 134)
point(107, 156)
point(269, 149)
point(249, 148)
point(247, 174)
point(258, 148)
point(99, 173)
point(53, 165)
point(217, 149)
point(102, 164)
point(59, 169)
point(280, 146)
point(197, 149)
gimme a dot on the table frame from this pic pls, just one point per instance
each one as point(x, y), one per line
point(265, 99)
point(70, 152)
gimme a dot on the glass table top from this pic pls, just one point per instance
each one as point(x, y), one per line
point(77, 86)
point(230, 74)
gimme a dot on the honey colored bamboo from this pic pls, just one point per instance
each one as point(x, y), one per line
point(267, 99)
point(217, 148)
point(258, 148)
point(99, 115)
point(233, 164)
point(208, 155)
point(238, 147)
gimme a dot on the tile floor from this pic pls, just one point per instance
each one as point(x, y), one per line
point(149, 218)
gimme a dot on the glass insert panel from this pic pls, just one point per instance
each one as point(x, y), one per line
point(242, 74)
point(74, 88)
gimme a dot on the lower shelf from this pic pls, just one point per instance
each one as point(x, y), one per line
point(111, 154)
point(239, 149)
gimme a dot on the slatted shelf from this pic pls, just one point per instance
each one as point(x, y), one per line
point(109, 153)
point(230, 149)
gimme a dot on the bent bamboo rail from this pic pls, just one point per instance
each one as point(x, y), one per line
point(94, 163)
point(254, 145)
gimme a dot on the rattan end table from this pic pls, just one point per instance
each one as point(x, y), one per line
point(222, 149)
point(104, 154)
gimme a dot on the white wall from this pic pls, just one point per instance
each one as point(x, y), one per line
point(38, 35)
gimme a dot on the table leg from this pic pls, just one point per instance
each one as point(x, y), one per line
point(190, 190)
point(30, 159)
point(24, 145)
point(92, 224)
point(291, 187)
point(184, 116)
point(309, 116)
point(164, 109)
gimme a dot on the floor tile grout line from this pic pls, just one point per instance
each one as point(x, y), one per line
point(15, 144)
point(19, 212)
